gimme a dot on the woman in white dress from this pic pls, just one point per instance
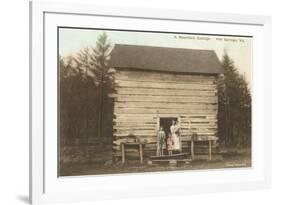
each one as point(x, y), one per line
point(175, 130)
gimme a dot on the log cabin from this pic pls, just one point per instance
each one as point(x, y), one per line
point(155, 85)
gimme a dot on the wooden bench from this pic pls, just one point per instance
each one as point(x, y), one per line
point(139, 146)
point(210, 143)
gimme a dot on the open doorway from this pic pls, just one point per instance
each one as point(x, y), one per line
point(166, 123)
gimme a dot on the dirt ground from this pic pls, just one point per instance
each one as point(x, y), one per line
point(226, 160)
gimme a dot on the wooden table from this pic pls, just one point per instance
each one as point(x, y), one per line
point(127, 144)
point(210, 142)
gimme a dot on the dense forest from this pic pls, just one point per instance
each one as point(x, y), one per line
point(85, 109)
point(234, 117)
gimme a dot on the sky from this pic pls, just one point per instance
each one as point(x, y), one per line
point(71, 40)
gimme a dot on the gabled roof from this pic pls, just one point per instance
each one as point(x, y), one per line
point(165, 59)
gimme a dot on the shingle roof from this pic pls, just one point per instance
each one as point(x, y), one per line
point(165, 59)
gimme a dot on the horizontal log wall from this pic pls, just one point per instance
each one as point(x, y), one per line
point(143, 97)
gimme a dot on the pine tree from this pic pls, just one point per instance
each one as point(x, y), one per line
point(104, 76)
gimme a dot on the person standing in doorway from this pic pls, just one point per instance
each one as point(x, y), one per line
point(170, 144)
point(161, 142)
point(175, 131)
